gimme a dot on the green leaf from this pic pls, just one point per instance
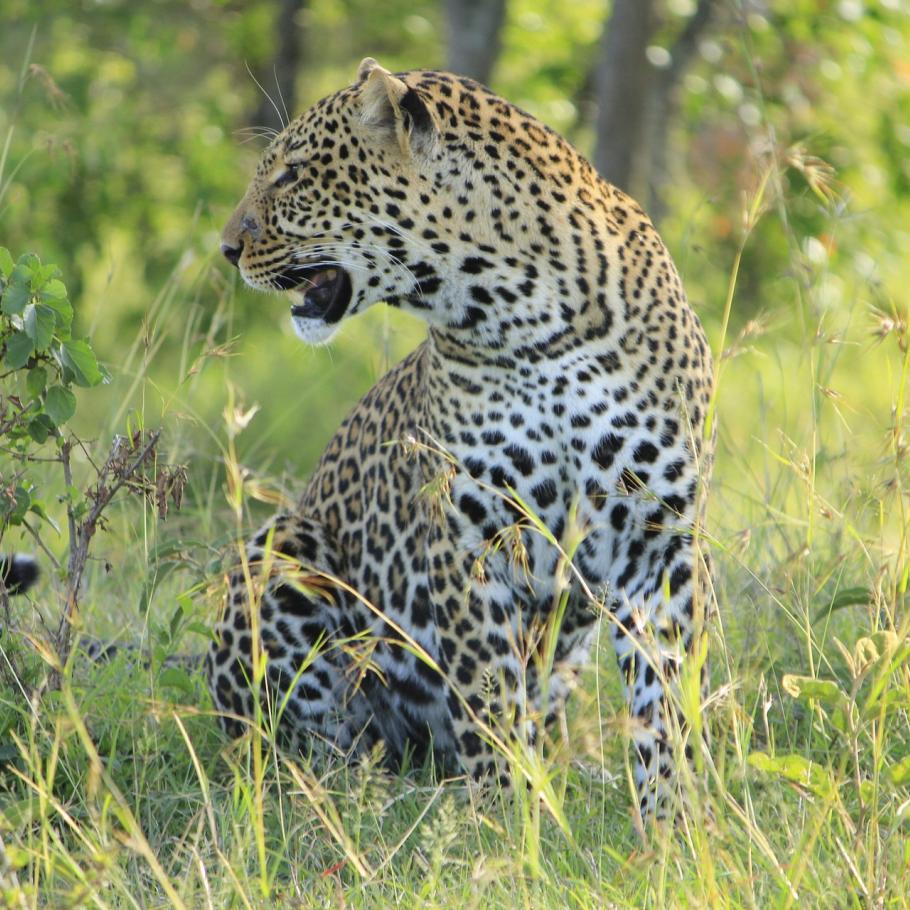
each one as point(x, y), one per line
point(804, 688)
point(884, 703)
point(36, 381)
point(14, 508)
point(18, 350)
point(17, 292)
point(80, 360)
point(38, 428)
point(798, 769)
point(43, 274)
point(6, 262)
point(177, 678)
point(39, 322)
point(17, 815)
point(899, 774)
point(200, 628)
point(55, 289)
point(37, 507)
point(60, 404)
point(845, 597)
point(174, 624)
point(63, 312)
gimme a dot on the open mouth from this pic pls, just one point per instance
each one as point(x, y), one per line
point(320, 292)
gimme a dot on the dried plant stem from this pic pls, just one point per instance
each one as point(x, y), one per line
point(81, 531)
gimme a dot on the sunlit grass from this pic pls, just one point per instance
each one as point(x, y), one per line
point(120, 791)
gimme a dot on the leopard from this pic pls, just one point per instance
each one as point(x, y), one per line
point(535, 469)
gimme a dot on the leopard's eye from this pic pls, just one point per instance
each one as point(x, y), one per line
point(288, 176)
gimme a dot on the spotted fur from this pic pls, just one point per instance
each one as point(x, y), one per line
point(409, 597)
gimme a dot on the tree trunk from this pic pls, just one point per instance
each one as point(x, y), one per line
point(664, 105)
point(622, 80)
point(279, 100)
point(474, 28)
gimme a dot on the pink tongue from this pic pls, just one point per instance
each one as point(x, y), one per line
point(320, 278)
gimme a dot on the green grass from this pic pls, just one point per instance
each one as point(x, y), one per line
point(119, 791)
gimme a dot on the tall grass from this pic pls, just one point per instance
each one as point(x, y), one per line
point(119, 790)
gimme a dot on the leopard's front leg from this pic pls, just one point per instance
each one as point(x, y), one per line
point(506, 679)
point(657, 629)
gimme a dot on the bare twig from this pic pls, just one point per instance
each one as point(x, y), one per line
point(81, 531)
point(41, 544)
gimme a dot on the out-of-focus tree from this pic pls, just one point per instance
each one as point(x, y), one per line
point(474, 29)
point(663, 103)
point(279, 84)
point(637, 88)
point(622, 81)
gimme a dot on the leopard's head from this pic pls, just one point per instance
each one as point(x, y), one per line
point(402, 188)
point(339, 212)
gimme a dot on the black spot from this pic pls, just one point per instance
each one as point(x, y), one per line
point(634, 480)
point(679, 576)
point(473, 508)
point(474, 265)
point(618, 515)
point(412, 690)
point(606, 449)
point(521, 458)
point(624, 420)
point(544, 493)
point(473, 315)
point(654, 523)
point(596, 493)
point(646, 452)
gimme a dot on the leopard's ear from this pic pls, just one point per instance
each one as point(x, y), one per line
point(367, 65)
point(391, 107)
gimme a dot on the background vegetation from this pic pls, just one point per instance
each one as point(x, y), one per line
point(774, 144)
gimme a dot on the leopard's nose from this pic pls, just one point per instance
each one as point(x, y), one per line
point(232, 253)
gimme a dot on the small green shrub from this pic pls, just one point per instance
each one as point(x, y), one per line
point(44, 364)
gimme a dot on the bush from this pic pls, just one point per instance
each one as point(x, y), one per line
point(44, 364)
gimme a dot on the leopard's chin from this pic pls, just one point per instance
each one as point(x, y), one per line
point(312, 330)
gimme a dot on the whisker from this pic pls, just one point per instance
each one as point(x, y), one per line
point(257, 130)
point(287, 116)
point(313, 251)
point(335, 248)
point(264, 92)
